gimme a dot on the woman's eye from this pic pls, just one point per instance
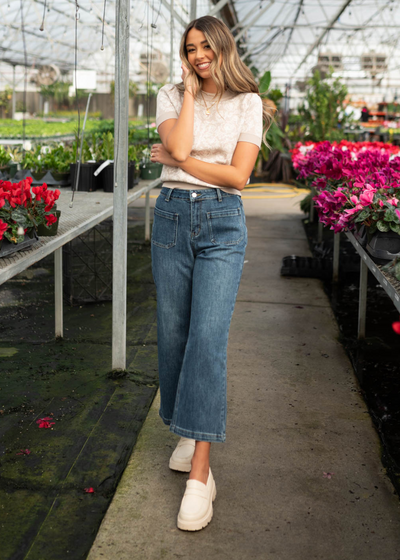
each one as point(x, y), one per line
point(206, 47)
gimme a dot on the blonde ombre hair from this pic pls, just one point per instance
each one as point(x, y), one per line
point(232, 74)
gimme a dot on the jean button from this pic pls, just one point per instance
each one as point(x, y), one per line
point(194, 195)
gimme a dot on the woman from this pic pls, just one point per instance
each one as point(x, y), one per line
point(211, 129)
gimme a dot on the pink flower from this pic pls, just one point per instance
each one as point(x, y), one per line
point(367, 197)
point(397, 213)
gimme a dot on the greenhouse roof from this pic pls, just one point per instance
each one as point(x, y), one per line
point(289, 37)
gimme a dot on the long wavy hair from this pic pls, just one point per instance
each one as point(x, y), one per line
point(232, 74)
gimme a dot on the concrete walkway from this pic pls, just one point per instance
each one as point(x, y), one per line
point(294, 413)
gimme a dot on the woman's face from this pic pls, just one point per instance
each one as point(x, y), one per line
point(199, 52)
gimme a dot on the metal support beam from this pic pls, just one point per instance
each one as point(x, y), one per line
point(320, 231)
point(193, 9)
point(294, 23)
point(259, 14)
point(14, 94)
point(171, 37)
point(120, 214)
point(319, 39)
point(362, 299)
point(270, 27)
point(336, 253)
point(245, 17)
point(175, 14)
point(147, 218)
point(311, 216)
point(58, 293)
point(217, 7)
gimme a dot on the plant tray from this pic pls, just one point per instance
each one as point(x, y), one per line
point(7, 248)
point(306, 267)
point(384, 246)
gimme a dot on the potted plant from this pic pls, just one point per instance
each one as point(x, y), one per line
point(357, 184)
point(20, 214)
point(149, 169)
point(106, 154)
point(135, 154)
point(87, 180)
point(35, 163)
point(58, 162)
point(5, 161)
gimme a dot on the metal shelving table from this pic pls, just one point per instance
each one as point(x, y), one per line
point(89, 209)
point(388, 282)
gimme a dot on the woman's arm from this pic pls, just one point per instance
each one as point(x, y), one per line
point(179, 140)
point(234, 175)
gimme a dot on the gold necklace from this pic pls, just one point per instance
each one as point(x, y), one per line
point(207, 111)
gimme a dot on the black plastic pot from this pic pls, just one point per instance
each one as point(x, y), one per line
point(87, 181)
point(44, 231)
point(360, 235)
point(62, 179)
point(7, 248)
point(383, 246)
point(107, 177)
point(38, 175)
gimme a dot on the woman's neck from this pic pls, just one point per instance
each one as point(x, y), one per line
point(209, 86)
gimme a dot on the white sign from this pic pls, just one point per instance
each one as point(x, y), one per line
point(86, 79)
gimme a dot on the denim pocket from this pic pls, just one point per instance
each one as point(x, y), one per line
point(165, 228)
point(225, 226)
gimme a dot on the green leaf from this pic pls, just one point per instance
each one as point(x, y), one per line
point(20, 215)
point(396, 271)
point(265, 82)
point(389, 215)
point(395, 227)
point(363, 215)
point(382, 226)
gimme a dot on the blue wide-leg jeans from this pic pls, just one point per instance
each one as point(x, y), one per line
point(198, 244)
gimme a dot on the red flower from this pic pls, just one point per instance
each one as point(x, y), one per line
point(3, 228)
point(51, 219)
point(23, 452)
point(45, 422)
point(396, 327)
point(89, 490)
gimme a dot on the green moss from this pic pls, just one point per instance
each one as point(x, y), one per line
point(96, 417)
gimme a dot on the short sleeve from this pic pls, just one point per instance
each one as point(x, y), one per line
point(165, 107)
point(252, 128)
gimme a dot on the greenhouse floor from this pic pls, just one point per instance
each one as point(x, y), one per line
point(300, 475)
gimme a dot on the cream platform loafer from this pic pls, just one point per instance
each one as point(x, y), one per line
point(196, 509)
point(181, 458)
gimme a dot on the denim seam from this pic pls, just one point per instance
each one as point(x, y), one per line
point(173, 243)
point(229, 243)
point(219, 437)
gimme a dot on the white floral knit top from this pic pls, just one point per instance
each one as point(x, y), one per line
point(238, 119)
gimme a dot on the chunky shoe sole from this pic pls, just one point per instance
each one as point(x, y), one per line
point(181, 467)
point(199, 523)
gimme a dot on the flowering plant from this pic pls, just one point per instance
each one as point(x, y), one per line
point(20, 212)
point(355, 182)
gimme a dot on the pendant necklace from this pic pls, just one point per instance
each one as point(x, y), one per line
point(207, 111)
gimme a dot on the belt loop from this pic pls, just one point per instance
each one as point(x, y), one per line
point(168, 195)
point(219, 195)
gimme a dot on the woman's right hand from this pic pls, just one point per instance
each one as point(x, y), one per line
point(188, 79)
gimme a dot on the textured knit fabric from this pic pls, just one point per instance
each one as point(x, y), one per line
point(215, 136)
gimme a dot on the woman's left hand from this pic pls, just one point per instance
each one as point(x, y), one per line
point(159, 154)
